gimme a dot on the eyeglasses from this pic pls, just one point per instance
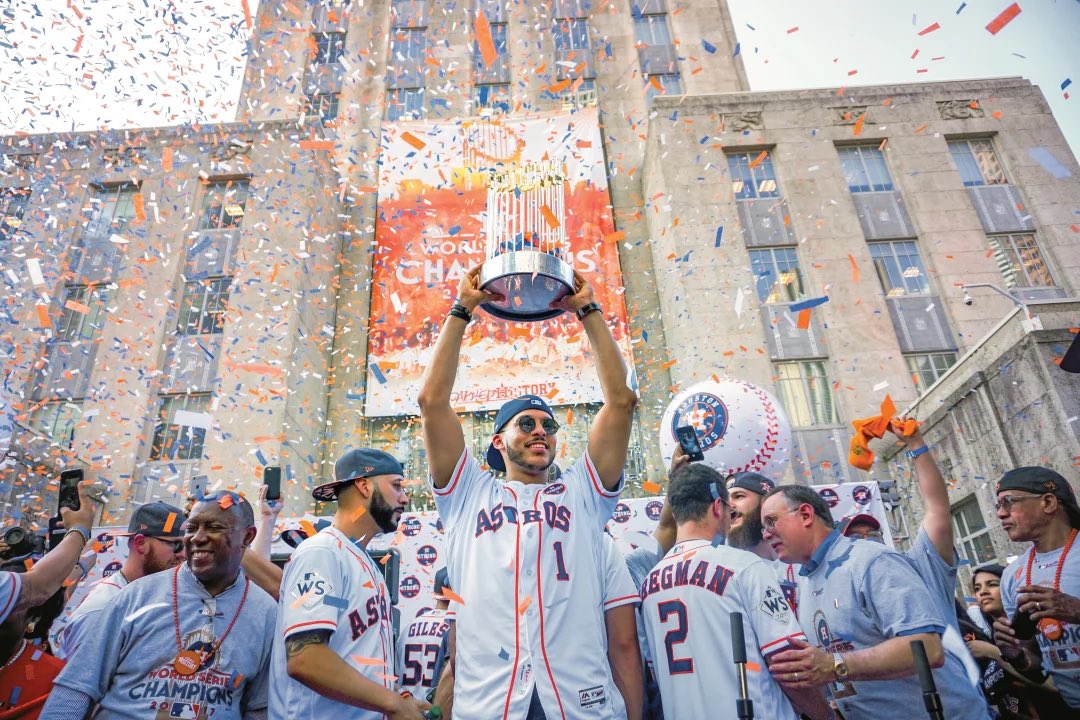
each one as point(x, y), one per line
point(527, 423)
point(177, 545)
point(1006, 501)
point(769, 523)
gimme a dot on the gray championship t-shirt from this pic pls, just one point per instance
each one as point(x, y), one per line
point(125, 661)
point(1061, 657)
point(854, 595)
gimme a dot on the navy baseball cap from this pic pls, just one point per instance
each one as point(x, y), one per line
point(752, 481)
point(506, 413)
point(152, 519)
point(357, 463)
point(1042, 481)
point(442, 580)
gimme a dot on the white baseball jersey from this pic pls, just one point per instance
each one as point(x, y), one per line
point(528, 562)
point(618, 590)
point(331, 583)
point(10, 587)
point(687, 601)
point(418, 651)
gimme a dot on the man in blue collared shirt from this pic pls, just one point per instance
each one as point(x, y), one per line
point(864, 604)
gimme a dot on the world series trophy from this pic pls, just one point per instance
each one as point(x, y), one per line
point(525, 251)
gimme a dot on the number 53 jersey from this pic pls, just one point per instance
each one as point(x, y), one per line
point(686, 603)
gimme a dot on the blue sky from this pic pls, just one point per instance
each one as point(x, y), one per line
point(159, 63)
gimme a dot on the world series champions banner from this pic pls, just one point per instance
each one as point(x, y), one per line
point(429, 233)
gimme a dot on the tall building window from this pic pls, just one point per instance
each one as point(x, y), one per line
point(776, 275)
point(82, 313)
point(927, 369)
point(329, 47)
point(752, 176)
point(865, 169)
point(971, 532)
point(404, 103)
point(573, 51)
point(1020, 261)
point(494, 96)
point(899, 268)
point(223, 204)
point(656, 53)
point(323, 106)
point(977, 162)
point(202, 309)
point(180, 432)
point(13, 204)
point(57, 419)
point(409, 13)
point(491, 83)
point(113, 207)
point(405, 73)
point(806, 393)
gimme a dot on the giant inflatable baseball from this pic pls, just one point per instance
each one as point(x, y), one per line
point(740, 427)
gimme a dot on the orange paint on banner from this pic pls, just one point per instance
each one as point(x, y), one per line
point(413, 140)
point(615, 236)
point(549, 217)
point(759, 159)
point(483, 39)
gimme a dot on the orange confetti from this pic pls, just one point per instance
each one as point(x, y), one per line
point(316, 144)
point(759, 159)
point(656, 83)
point(549, 217)
point(615, 236)
point(452, 596)
point(247, 13)
point(43, 316)
point(650, 487)
point(77, 307)
point(854, 268)
point(413, 140)
point(803, 321)
point(559, 86)
point(225, 502)
point(168, 526)
point(375, 662)
point(166, 159)
point(308, 528)
point(140, 207)
point(483, 39)
point(858, 124)
point(669, 363)
point(524, 605)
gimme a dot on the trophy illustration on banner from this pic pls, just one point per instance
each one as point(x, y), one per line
point(525, 258)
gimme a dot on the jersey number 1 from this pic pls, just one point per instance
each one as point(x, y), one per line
point(560, 563)
point(676, 666)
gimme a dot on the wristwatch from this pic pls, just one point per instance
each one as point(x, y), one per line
point(587, 309)
point(839, 667)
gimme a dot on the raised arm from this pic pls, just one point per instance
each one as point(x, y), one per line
point(937, 522)
point(48, 574)
point(610, 433)
point(443, 438)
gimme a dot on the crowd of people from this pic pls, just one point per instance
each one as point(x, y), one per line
point(539, 614)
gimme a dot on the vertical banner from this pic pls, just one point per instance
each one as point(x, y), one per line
point(429, 232)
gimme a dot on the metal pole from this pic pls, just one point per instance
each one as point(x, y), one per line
point(931, 699)
point(744, 706)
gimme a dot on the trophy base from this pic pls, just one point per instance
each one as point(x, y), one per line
point(530, 281)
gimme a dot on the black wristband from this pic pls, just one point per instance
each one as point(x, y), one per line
point(587, 309)
point(460, 311)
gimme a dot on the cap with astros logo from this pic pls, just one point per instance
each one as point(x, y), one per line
point(355, 464)
point(507, 413)
point(752, 481)
point(1042, 481)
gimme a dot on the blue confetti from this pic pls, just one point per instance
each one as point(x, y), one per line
point(260, 457)
point(738, 46)
point(719, 236)
point(378, 373)
point(454, 230)
point(1066, 84)
point(336, 602)
point(807, 304)
point(709, 47)
point(962, 6)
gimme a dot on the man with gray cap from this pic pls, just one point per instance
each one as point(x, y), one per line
point(525, 555)
point(155, 543)
point(334, 648)
point(1041, 588)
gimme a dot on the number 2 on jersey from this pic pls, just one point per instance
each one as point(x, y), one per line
point(676, 635)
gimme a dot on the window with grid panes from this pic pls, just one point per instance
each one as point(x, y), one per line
point(1020, 260)
point(409, 13)
point(977, 162)
point(82, 313)
point(499, 70)
point(112, 207)
point(13, 204)
point(571, 36)
point(57, 420)
point(329, 47)
point(404, 103)
point(174, 440)
point(972, 535)
point(751, 177)
point(202, 309)
point(865, 169)
point(806, 393)
point(495, 96)
point(776, 275)
point(223, 204)
point(572, 8)
point(899, 268)
point(927, 368)
point(408, 47)
point(323, 106)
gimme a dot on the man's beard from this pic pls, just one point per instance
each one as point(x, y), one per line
point(748, 534)
point(518, 458)
point(153, 564)
point(381, 512)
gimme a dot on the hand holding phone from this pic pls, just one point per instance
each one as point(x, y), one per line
point(272, 481)
point(69, 489)
point(688, 441)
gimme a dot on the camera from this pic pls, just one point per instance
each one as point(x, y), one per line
point(968, 300)
point(21, 543)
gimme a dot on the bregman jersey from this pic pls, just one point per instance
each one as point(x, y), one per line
point(528, 562)
point(687, 601)
point(331, 583)
point(418, 651)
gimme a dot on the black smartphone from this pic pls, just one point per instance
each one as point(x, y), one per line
point(272, 481)
point(197, 487)
point(69, 489)
point(56, 533)
point(1023, 626)
point(688, 441)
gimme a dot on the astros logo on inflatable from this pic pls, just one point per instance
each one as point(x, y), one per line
point(704, 412)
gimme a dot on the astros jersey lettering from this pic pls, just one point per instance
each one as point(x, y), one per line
point(1061, 657)
point(125, 662)
point(528, 560)
point(687, 601)
point(418, 651)
point(331, 584)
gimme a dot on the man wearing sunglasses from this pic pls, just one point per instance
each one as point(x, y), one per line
point(525, 555)
point(155, 543)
